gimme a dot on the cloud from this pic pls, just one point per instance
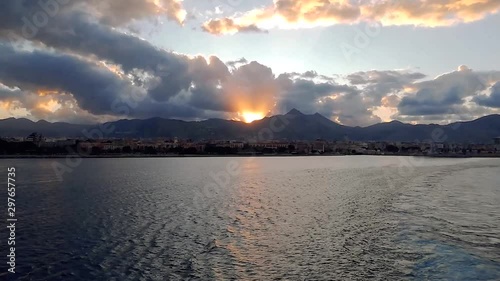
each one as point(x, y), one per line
point(167, 76)
point(79, 91)
point(50, 105)
point(84, 86)
point(82, 62)
point(166, 73)
point(390, 101)
point(118, 12)
point(170, 80)
point(491, 100)
point(248, 86)
point(387, 77)
point(227, 25)
point(25, 14)
point(311, 13)
point(378, 84)
point(234, 64)
point(101, 92)
point(342, 103)
point(455, 93)
point(349, 109)
point(94, 88)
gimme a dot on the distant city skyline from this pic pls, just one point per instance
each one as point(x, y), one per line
point(356, 62)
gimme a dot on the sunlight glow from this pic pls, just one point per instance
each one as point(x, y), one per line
point(43, 93)
point(5, 105)
point(50, 106)
point(249, 117)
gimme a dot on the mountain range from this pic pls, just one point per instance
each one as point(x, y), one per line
point(291, 126)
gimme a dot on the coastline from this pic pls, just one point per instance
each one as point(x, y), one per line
point(138, 156)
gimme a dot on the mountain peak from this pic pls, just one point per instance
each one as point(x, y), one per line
point(295, 112)
point(321, 116)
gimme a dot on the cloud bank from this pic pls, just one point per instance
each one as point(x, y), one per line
point(312, 13)
point(82, 66)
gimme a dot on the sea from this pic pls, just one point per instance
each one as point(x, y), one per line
point(254, 218)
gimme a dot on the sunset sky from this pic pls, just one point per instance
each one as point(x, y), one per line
point(357, 62)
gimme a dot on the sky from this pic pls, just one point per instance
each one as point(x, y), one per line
point(357, 62)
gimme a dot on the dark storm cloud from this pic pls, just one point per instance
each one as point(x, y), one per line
point(63, 25)
point(77, 33)
point(94, 88)
point(379, 84)
point(7, 93)
point(150, 109)
point(342, 103)
point(349, 109)
point(492, 100)
point(27, 14)
point(427, 101)
point(206, 89)
point(443, 95)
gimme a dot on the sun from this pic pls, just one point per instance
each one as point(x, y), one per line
point(249, 117)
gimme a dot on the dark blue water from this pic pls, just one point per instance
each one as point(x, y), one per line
point(312, 218)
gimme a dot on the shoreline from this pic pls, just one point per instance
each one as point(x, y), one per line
point(229, 155)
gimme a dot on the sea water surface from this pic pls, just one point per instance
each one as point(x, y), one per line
point(279, 218)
